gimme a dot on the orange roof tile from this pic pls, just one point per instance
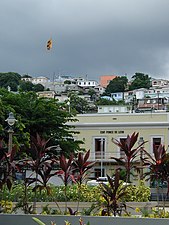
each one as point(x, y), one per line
point(104, 80)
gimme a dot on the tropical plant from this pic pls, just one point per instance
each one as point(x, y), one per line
point(7, 166)
point(158, 165)
point(113, 193)
point(129, 158)
point(38, 221)
point(3, 166)
point(65, 173)
point(81, 168)
point(41, 163)
point(6, 206)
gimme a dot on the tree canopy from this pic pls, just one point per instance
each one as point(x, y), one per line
point(26, 86)
point(78, 104)
point(10, 79)
point(13, 81)
point(29, 86)
point(104, 101)
point(35, 115)
point(118, 84)
point(140, 80)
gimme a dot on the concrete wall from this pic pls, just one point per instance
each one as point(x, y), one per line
point(74, 220)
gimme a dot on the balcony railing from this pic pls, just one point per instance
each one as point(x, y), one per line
point(107, 156)
point(104, 156)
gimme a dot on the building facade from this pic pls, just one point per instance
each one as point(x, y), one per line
point(159, 83)
point(113, 109)
point(98, 130)
point(40, 80)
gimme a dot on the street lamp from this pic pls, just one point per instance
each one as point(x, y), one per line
point(11, 121)
point(68, 104)
point(102, 156)
point(58, 149)
point(140, 142)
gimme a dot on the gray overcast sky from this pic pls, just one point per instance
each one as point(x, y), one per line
point(90, 37)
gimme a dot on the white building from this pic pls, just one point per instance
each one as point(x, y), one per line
point(113, 109)
point(159, 83)
point(40, 80)
point(86, 83)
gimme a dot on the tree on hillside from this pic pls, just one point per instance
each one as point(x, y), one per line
point(26, 76)
point(140, 80)
point(29, 86)
point(104, 101)
point(10, 79)
point(26, 86)
point(38, 87)
point(67, 82)
point(78, 104)
point(92, 94)
point(118, 84)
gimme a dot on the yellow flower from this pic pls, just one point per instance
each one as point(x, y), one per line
point(10, 203)
point(137, 209)
point(2, 202)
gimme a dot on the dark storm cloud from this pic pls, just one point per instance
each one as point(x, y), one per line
point(91, 37)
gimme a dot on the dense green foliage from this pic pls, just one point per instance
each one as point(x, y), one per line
point(139, 193)
point(103, 101)
point(78, 104)
point(13, 82)
point(121, 84)
point(140, 80)
point(130, 153)
point(10, 79)
point(29, 86)
point(118, 84)
point(26, 86)
point(34, 115)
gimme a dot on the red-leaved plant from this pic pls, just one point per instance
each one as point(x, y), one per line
point(82, 166)
point(129, 158)
point(41, 164)
point(158, 165)
point(113, 192)
point(65, 173)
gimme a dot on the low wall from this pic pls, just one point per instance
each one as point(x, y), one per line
point(60, 206)
point(74, 220)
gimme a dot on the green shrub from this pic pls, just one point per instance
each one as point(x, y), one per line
point(139, 193)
